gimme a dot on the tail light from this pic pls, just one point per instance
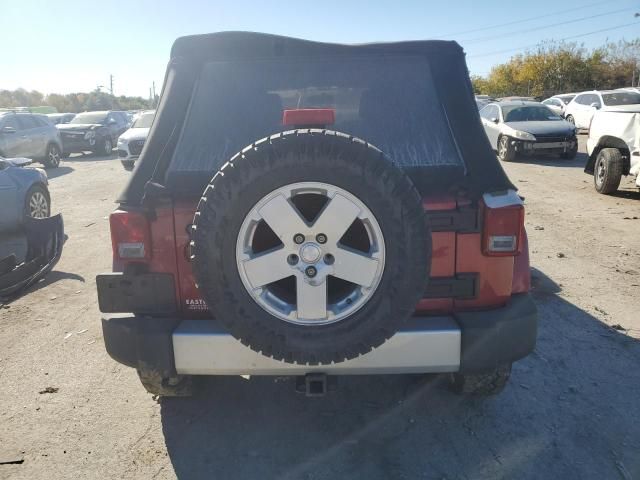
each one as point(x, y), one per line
point(503, 225)
point(130, 236)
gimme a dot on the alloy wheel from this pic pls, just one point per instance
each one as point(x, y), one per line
point(310, 253)
point(38, 205)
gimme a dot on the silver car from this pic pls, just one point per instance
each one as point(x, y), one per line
point(30, 135)
point(518, 127)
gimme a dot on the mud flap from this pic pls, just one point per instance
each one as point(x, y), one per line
point(45, 239)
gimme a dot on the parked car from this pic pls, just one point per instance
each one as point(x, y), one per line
point(581, 109)
point(558, 103)
point(516, 98)
point(23, 193)
point(614, 148)
point(30, 135)
point(482, 100)
point(30, 239)
point(516, 127)
point(131, 142)
point(57, 118)
point(95, 132)
point(314, 252)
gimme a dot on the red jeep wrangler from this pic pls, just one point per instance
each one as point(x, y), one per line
point(314, 209)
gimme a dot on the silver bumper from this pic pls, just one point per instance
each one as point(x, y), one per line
point(425, 345)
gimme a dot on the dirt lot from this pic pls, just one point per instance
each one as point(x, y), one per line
point(571, 411)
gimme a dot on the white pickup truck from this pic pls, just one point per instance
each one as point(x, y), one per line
point(614, 148)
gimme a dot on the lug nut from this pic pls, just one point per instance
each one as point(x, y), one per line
point(310, 271)
point(321, 238)
point(298, 238)
point(292, 259)
point(329, 259)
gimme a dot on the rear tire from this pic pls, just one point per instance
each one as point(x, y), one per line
point(570, 154)
point(608, 171)
point(483, 384)
point(53, 156)
point(106, 147)
point(178, 386)
point(506, 151)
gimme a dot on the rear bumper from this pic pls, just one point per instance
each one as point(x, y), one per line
point(464, 342)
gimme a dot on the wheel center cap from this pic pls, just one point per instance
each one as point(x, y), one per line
point(310, 253)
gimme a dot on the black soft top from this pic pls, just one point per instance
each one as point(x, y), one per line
point(481, 173)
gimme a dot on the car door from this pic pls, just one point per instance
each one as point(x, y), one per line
point(582, 114)
point(13, 141)
point(113, 125)
point(41, 135)
point(593, 106)
point(34, 142)
point(9, 213)
point(123, 123)
point(491, 121)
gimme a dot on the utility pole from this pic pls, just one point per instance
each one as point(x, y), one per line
point(153, 101)
point(111, 84)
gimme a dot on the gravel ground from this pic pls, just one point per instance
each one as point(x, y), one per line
point(571, 410)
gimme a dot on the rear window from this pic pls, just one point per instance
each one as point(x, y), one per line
point(389, 101)
point(621, 98)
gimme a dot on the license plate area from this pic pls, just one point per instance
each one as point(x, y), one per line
point(148, 293)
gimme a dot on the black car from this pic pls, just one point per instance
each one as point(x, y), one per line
point(93, 131)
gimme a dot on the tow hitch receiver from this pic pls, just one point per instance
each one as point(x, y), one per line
point(315, 384)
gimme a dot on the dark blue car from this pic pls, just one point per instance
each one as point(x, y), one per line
point(23, 193)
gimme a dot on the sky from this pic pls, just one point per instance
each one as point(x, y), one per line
point(63, 46)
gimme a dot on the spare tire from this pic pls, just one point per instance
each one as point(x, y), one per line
point(311, 247)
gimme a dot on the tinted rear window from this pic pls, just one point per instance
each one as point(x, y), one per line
point(389, 101)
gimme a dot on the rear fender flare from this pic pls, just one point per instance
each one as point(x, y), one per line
point(609, 141)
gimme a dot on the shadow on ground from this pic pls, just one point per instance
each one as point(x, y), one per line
point(58, 172)
point(627, 193)
point(570, 411)
point(554, 161)
point(85, 157)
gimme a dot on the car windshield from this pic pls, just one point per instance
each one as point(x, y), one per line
point(566, 98)
point(621, 98)
point(144, 121)
point(528, 113)
point(91, 117)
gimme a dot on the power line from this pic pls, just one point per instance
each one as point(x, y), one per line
point(565, 22)
point(515, 22)
point(559, 40)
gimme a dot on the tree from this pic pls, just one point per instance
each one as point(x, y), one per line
point(554, 68)
point(71, 102)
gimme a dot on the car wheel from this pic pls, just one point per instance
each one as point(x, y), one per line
point(155, 384)
point(52, 159)
point(37, 203)
point(106, 146)
point(570, 154)
point(571, 120)
point(608, 170)
point(311, 247)
point(486, 383)
point(506, 151)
